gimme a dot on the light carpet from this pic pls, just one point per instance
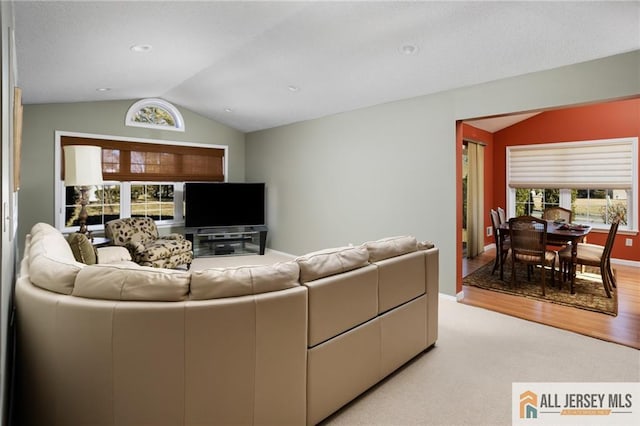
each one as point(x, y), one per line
point(466, 378)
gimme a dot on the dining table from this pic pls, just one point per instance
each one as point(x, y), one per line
point(560, 233)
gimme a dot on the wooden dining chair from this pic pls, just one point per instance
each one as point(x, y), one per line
point(593, 255)
point(502, 215)
point(528, 237)
point(558, 213)
point(502, 243)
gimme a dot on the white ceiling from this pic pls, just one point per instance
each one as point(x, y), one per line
point(211, 57)
point(494, 124)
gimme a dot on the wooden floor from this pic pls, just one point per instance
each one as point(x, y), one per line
point(623, 328)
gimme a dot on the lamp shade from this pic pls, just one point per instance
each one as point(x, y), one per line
point(82, 165)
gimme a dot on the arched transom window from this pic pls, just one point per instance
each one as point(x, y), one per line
point(155, 113)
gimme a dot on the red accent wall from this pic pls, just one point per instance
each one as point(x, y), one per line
point(601, 121)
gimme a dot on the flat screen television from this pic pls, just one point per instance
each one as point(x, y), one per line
point(211, 204)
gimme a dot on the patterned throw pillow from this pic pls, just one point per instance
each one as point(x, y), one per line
point(82, 248)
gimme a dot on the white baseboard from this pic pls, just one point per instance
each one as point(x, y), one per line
point(293, 256)
point(448, 297)
point(625, 262)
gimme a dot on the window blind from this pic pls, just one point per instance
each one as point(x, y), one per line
point(603, 164)
point(135, 161)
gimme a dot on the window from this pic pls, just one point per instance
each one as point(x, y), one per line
point(597, 180)
point(153, 200)
point(141, 178)
point(601, 206)
point(103, 204)
point(154, 113)
point(533, 201)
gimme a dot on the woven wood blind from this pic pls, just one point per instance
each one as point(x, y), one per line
point(135, 161)
point(606, 164)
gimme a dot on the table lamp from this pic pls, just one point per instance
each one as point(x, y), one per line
point(82, 168)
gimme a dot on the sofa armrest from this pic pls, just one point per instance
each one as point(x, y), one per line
point(112, 254)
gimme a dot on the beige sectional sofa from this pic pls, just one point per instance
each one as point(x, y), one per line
point(285, 344)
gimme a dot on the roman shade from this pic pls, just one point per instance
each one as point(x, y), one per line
point(602, 164)
point(139, 161)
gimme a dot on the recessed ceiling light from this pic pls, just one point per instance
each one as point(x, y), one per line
point(409, 49)
point(103, 89)
point(228, 110)
point(141, 48)
point(293, 88)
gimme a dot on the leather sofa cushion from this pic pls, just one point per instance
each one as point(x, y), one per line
point(125, 282)
point(390, 247)
point(113, 254)
point(52, 265)
point(216, 283)
point(42, 228)
point(425, 245)
point(332, 261)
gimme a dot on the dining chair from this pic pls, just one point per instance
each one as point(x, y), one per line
point(593, 255)
point(528, 237)
point(502, 215)
point(502, 243)
point(558, 213)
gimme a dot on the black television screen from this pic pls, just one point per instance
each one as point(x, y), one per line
point(209, 204)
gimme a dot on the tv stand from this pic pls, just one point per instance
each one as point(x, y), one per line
point(225, 241)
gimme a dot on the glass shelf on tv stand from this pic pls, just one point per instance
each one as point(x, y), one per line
point(227, 241)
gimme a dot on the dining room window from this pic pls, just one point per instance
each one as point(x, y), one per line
point(596, 180)
point(533, 201)
point(600, 206)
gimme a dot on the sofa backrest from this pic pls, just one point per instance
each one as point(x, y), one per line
point(162, 363)
point(52, 265)
point(131, 282)
point(216, 283)
point(324, 263)
point(349, 286)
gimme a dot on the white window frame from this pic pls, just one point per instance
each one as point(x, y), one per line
point(155, 102)
point(565, 193)
point(125, 187)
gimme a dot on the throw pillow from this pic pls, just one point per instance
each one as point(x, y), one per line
point(82, 248)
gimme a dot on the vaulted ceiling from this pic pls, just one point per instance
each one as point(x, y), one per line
point(261, 64)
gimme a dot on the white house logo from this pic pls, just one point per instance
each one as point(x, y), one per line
point(576, 403)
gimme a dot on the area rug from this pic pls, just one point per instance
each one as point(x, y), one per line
point(589, 292)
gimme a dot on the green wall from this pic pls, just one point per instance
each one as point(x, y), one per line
point(391, 169)
point(36, 196)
